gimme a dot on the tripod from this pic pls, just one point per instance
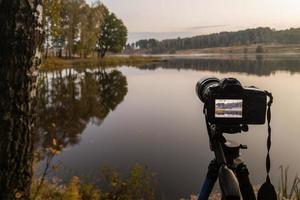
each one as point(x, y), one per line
point(227, 166)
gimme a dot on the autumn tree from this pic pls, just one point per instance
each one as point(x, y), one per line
point(55, 26)
point(113, 35)
point(21, 37)
point(72, 26)
point(52, 25)
point(46, 25)
point(70, 15)
point(90, 19)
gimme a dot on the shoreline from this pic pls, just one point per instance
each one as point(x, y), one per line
point(246, 49)
point(233, 56)
point(54, 63)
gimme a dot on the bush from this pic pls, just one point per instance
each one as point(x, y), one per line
point(138, 184)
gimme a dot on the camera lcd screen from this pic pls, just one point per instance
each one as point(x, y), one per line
point(228, 108)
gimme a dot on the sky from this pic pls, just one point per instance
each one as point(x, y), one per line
point(163, 19)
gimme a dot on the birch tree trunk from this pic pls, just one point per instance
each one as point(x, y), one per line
point(20, 42)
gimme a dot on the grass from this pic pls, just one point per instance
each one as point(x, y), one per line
point(138, 184)
point(54, 63)
point(286, 192)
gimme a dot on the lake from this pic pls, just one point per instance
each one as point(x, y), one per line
point(151, 115)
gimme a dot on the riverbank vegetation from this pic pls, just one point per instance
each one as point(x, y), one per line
point(80, 35)
point(288, 189)
point(138, 184)
point(54, 63)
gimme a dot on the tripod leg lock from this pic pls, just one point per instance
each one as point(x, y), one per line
point(246, 188)
point(242, 170)
point(213, 169)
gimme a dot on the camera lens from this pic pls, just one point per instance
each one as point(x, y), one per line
point(203, 85)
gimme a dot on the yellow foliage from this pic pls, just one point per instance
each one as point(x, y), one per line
point(53, 151)
point(72, 191)
point(54, 142)
point(139, 184)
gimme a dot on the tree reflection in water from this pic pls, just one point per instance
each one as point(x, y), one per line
point(68, 101)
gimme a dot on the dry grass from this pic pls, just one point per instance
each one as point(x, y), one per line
point(54, 63)
point(288, 191)
point(139, 183)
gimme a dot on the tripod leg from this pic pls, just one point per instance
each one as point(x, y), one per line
point(246, 188)
point(210, 180)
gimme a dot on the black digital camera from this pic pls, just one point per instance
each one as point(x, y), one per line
point(227, 102)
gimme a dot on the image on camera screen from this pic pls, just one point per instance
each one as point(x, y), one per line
point(228, 108)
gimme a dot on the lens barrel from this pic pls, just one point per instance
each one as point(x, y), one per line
point(203, 86)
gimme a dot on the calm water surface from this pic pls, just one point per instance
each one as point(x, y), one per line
point(152, 116)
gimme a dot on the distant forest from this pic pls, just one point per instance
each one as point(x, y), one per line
point(223, 39)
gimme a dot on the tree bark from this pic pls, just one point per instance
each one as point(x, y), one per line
point(21, 36)
point(60, 53)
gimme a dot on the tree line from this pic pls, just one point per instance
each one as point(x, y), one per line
point(75, 28)
point(223, 39)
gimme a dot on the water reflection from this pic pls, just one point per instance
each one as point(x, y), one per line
point(68, 101)
point(160, 123)
point(259, 65)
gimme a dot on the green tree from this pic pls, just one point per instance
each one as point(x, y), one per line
point(46, 25)
point(113, 35)
point(52, 24)
point(91, 17)
point(55, 24)
point(70, 15)
point(72, 26)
